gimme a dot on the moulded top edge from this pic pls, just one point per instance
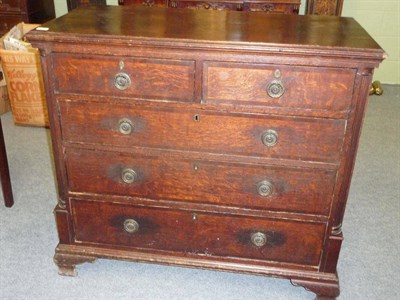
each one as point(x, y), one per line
point(209, 29)
point(79, 40)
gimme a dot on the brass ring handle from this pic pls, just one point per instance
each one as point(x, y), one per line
point(265, 188)
point(275, 88)
point(131, 226)
point(258, 239)
point(122, 81)
point(129, 175)
point(269, 138)
point(125, 126)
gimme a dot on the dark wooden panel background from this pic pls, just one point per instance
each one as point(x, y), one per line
point(76, 3)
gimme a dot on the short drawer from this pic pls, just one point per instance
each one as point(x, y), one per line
point(278, 86)
point(308, 139)
point(198, 234)
point(154, 79)
point(169, 177)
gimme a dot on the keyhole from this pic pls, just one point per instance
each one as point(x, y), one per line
point(196, 118)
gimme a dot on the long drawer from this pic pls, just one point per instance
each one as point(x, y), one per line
point(278, 86)
point(195, 233)
point(125, 77)
point(307, 139)
point(172, 178)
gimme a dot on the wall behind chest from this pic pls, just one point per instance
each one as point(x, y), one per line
point(61, 6)
point(381, 19)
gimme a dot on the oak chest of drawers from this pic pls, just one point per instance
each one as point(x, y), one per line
point(30, 11)
point(227, 146)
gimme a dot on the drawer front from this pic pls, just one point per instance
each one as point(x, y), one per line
point(167, 177)
point(197, 234)
point(125, 77)
point(301, 87)
point(284, 138)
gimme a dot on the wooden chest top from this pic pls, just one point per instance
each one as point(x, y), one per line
point(213, 29)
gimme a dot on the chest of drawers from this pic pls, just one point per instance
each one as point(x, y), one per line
point(228, 146)
point(267, 6)
point(30, 11)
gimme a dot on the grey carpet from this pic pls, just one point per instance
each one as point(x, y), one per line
point(369, 265)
